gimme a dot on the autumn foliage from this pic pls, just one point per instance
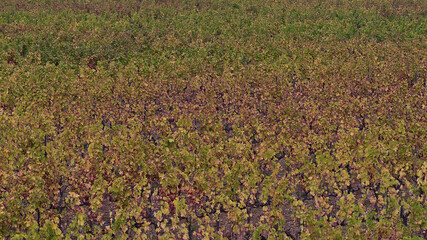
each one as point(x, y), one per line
point(213, 120)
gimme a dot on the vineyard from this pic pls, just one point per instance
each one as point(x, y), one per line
point(213, 119)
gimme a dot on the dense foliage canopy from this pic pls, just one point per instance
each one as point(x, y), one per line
point(206, 119)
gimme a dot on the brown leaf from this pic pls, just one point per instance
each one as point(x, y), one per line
point(11, 59)
point(92, 63)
